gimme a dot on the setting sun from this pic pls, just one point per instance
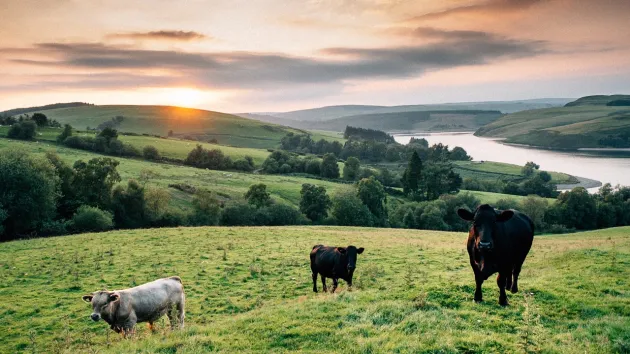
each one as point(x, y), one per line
point(183, 97)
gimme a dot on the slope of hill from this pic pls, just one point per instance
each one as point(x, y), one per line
point(597, 100)
point(579, 125)
point(226, 128)
point(18, 111)
point(249, 290)
point(333, 112)
point(447, 120)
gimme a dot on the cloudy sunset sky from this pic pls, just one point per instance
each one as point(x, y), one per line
point(273, 55)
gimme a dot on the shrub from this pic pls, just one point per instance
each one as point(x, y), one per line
point(92, 219)
point(206, 209)
point(150, 152)
point(280, 214)
point(245, 164)
point(238, 214)
point(55, 228)
point(24, 130)
point(349, 210)
point(172, 218)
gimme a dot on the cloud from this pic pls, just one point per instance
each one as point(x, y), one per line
point(162, 35)
point(491, 7)
point(246, 70)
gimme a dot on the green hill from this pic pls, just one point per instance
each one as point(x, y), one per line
point(249, 290)
point(580, 125)
point(228, 129)
point(449, 120)
point(597, 100)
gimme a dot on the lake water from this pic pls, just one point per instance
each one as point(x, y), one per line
point(605, 166)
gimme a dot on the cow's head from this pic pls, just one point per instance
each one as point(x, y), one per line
point(101, 303)
point(350, 254)
point(485, 221)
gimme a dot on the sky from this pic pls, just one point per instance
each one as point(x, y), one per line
point(280, 55)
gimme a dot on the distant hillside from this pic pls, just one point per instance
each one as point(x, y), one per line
point(584, 123)
point(226, 128)
point(334, 112)
point(18, 111)
point(598, 100)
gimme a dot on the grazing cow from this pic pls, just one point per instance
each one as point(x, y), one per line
point(498, 241)
point(335, 263)
point(122, 309)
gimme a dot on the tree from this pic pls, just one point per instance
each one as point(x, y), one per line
point(351, 168)
point(535, 207)
point(23, 130)
point(314, 202)
point(156, 203)
point(150, 152)
point(28, 192)
point(529, 168)
point(68, 202)
point(258, 196)
point(412, 177)
point(372, 194)
point(67, 131)
point(94, 181)
point(109, 134)
point(239, 214)
point(329, 167)
point(40, 119)
point(206, 209)
point(577, 209)
point(459, 154)
point(349, 210)
point(439, 179)
point(129, 205)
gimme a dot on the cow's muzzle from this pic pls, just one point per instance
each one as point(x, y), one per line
point(95, 317)
point(485, 246)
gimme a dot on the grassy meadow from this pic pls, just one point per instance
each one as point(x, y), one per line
point(228, 129)
point(249, 290)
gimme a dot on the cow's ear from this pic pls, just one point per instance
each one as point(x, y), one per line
point(87, 298)
point(113, 297)
point(505, 216)
point(341, 250)
point(465, 214)
point(360, 250)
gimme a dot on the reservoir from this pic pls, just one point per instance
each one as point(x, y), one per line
point(610, 166)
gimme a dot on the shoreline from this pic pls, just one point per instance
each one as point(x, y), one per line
point(584, 182)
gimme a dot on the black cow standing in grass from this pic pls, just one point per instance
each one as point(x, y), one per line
point(333, 262)
point(498, 242)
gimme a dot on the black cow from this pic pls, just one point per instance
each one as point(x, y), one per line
point(335, 263)
point(498, 241)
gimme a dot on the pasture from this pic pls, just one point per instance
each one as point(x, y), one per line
point(249, 290)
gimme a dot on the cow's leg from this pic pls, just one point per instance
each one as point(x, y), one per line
point(325, 289)
point(335, 283)
point(181, 313)
point(314, 282)
point(515, 273)
point(478, 282)
point(501, 281)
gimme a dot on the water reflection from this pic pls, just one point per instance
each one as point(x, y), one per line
point(605, 166)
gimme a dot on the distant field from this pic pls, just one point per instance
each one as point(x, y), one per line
point(248, 290)
point(499, 168)
point(562, 127)
point(228, 129)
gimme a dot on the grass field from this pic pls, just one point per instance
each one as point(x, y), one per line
point(562, 127)
point(228, 129)
point(509, 170)
point(249, 290)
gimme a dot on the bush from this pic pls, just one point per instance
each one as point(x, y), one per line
point(245, 164)
point(238, 214)
point(206, 209)
point(280, 214)
point(349, 210)
point(258, 196)
point(55, 228)
point(172, 218)
point(22, 130)
point(92, 219)
point(151, 153)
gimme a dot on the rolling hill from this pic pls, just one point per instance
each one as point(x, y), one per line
point(585, 123)
point(249, 290)
point(333, 112)
point(226, 128)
